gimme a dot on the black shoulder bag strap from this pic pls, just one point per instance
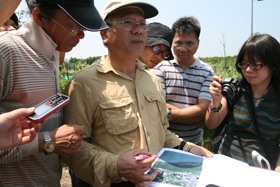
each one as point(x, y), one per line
point(255, 123)
point(225, 127)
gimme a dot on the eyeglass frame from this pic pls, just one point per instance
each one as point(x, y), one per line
point(159, 51)
point(239, 64)
point(72, 33)
point(134, 25)
point(187, 46)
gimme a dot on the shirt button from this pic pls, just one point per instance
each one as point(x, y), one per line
point(148, 133)
point(142, 107)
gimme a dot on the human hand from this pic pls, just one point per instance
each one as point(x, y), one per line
point(216, 89)
point(133, 170)
point(200, 123)
point(67, 139)
point(15, 129)
point(200, 151)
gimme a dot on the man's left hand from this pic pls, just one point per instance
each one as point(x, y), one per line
point(200, 151)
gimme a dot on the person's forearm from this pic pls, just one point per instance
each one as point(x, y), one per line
point(277, 168)
point(7, 8)
point(211, 118)
point(214, 119)
point(190, 114)
point(171, 106)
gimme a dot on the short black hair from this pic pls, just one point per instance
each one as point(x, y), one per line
point(15, 19)
point(187, 25)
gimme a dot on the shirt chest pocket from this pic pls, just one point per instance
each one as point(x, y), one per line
point(155, 107)
point(118, 115)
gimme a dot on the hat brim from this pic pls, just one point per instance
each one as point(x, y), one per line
point(148, 9)
point(87, 17)
point(15, 19)
point(151, 41)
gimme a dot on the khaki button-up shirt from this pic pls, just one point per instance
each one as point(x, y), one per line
point(119, 114)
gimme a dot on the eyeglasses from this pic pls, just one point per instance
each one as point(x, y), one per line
point(252, 66)
point(157, 51)
point(187, 46)
point(73, 33)
point(130, 24)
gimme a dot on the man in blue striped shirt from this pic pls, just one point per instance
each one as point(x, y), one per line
point(185, 81)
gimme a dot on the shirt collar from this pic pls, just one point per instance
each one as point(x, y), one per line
point(104, 67)
point(196, 63)
point(37, 36)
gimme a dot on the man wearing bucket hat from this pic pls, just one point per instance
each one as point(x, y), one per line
point(11, 24)
point(158, 45)
point(29, 74)
point(121, 105)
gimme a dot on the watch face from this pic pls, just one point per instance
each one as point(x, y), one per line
point(49, 146)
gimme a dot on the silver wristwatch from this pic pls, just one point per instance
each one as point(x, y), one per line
point(169, 114)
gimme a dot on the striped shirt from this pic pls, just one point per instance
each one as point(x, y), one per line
point(183, 88)
point(245, 134)
point(28, 75)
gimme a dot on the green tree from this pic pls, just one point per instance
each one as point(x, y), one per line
point(73, 60)
point(20, 15)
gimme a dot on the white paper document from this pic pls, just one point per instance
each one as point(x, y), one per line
point(183, 169)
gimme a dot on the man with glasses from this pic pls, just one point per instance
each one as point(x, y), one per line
point(11, 24)
point(121, 105)
point(185, 81)
point(158, 45)
point(29, 74)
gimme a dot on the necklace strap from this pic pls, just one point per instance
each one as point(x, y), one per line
point(257, 98)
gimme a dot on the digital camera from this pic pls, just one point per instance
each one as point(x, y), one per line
point(229, 86)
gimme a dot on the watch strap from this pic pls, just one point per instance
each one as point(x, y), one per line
point(46, 136)
point(169, 114)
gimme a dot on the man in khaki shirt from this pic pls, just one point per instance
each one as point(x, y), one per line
point(121, 105)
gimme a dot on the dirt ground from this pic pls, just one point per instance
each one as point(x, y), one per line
point(65, 179)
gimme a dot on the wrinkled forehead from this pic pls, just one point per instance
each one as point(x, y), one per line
point(128, 10)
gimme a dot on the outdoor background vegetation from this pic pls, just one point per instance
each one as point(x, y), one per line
point(224, 66)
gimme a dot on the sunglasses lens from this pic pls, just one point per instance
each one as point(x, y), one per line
point(156, 49)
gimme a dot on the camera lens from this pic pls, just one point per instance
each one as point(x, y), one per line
point(227, 90)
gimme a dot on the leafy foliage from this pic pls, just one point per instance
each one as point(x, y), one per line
point(20, 15)
point(68, 70)
point(225, 69)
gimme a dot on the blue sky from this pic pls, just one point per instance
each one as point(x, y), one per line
point(231, 18)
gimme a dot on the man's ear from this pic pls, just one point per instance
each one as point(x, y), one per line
point(104, 36)
point(38, 17)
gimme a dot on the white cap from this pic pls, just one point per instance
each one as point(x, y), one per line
point(148, 9)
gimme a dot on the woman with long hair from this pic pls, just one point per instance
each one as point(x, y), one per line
point(259, 63)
